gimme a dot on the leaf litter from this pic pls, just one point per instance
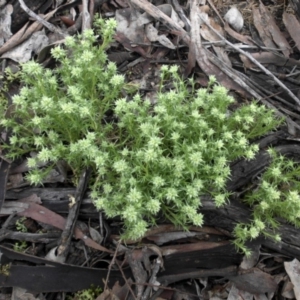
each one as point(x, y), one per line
point(203, 260)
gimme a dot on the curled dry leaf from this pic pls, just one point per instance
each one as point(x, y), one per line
point(236, 293)
point(288, 290)
point(251, 261)
point(130, 29)
point(95, 235)
point(152, 35)
point(234, 18)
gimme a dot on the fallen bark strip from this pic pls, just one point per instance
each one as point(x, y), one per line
point(51, 276)
point(66, 236)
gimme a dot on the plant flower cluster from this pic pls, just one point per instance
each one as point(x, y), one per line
point(146, 159)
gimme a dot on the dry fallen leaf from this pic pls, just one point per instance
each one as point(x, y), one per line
point(152, 35)
point(254, 281)
point(24, 33)
point(237, 294)
point(287, 290)
point(293, 270)
point(292, 25)
point(23, 52)
point(269, 31)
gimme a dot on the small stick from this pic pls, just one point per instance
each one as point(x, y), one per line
point(152, 278)
point(125, 279)
point(215, 10)
point(182, 15)
point(68, 232)
point(86, 18)
point(111, 264)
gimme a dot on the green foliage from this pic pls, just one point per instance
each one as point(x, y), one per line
point(59, 113)
point(20, 247)
point(20, 225)
point(5, 81)
point(277, 196)
point(164, 157)
point(5, 269)
point(88, 294)
point(145, 158)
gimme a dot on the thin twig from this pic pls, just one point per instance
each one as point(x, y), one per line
point(111, 264)
point(86, 18)
point(152, 278)
point(126, 281)
point(215, 10)
point(254, 47)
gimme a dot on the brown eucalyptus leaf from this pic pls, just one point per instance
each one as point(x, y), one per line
point(292, 25)
point(293, 270)
point(254, 281)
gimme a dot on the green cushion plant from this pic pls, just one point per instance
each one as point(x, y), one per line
point(277, 196)
point(145, 159)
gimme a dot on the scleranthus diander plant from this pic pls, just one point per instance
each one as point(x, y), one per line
point(277, 196)
point(168, 155)
point(59, 113)
point(146, 158)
